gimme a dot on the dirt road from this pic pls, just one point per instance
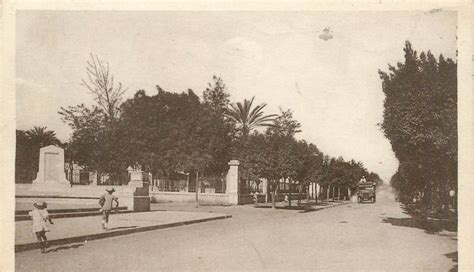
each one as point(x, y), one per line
point(345, 238)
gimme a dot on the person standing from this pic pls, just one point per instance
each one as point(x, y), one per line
point(40, 216)
point(106, 203)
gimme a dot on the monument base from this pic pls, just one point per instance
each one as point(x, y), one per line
point(141, 203)
point(135, 184)
point(50, 186)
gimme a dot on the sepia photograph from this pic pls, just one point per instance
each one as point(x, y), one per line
point(237, 139)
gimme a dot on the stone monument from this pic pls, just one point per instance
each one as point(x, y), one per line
point(51, 173)
point(139, 185)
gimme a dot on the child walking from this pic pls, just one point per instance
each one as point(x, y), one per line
point(106, 205)
point(40, 216)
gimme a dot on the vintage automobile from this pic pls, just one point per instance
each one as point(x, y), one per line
point(366, 192)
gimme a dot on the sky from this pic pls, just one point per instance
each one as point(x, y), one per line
point(332, 87)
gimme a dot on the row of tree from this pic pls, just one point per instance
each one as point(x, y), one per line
point(173, 132)
point(420, 120)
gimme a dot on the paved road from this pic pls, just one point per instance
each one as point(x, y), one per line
point(345, 238)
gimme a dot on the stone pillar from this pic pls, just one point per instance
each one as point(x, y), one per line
point(139, 184)
point(265, 189)
point(93, 178)
point(136, 178)
point(232, 182)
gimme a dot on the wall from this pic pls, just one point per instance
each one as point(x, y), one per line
point(74, 191)
point(66, 194)
point(248, 199)
point(184, 197)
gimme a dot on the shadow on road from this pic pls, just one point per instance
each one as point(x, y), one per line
point(303, 208)
point(430, 223)
point(454, 257)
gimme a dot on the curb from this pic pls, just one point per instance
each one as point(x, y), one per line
point(327, 207)
point(313, 209)
point(102, 235)
point(19, 218)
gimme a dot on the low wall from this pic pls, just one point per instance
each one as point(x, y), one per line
point(124, 193)
point(76, 191)
point(65, 194)
point(184, 197)
point(248, 199)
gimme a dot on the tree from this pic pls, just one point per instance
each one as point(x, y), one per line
point(420, 121)
point(167, 132)
point(219, 129)
point(248, 118)
point(100, 83)
point(281, 152)
point(28, 144)
point(216, 96)
point(96, 141)
point(40, 136)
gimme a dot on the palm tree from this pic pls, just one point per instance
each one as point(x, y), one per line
point(247, 118)
point(40, 136)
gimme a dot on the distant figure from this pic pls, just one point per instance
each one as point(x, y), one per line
point(255, 198)
point(106, 205)
point(40, 216)
point(362, 180)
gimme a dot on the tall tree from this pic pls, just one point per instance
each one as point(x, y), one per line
point(166, 132)
point(219, 129)
point(281, 152)
point(95, 141)
point(420, 121)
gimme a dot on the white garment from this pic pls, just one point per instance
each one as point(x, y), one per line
point(39, 219)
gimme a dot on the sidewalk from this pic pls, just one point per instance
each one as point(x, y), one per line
point(74, 230)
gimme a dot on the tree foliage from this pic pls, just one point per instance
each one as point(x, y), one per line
point(420, 121)
point(95, 142)
point(248, 118)
point(28, 144)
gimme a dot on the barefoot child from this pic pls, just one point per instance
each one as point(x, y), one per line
point(40, 216)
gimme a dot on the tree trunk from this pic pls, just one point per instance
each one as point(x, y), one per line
point(197, 189)
point(333, 193)
point(273, 196)
point(307, 195)
point(315, 193)
point(289, 195)
point(328, 188)
point(338, 194)
point(300, 189)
